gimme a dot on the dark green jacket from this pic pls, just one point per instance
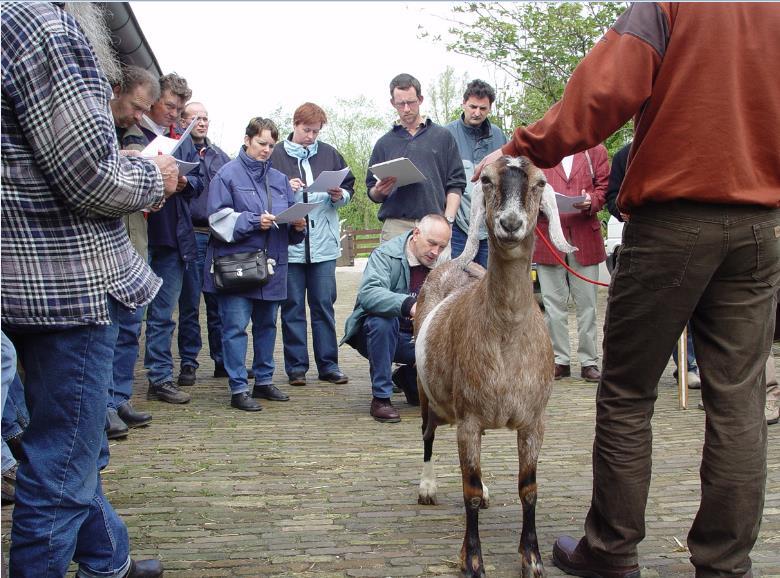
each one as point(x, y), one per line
point(384, 287)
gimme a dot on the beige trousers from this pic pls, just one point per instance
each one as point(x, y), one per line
point(393, 227)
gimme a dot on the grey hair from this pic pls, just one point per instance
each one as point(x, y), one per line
point(425, 223)
point(92, 19)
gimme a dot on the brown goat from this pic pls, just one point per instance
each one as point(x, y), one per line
point(484, 357)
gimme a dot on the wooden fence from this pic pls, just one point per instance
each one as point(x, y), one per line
point(357, 243)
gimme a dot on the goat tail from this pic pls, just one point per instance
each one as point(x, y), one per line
point(476, 219)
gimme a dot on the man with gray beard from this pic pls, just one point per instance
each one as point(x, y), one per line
point(67, 266)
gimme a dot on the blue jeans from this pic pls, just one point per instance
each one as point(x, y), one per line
point(15, 418)
point(61, 513)
point(381, 341)
point(458, 243)
point(125, 354)
point(236, 313)
point(213, 321)
point(314, 283)
point(690, 354)
point(189, 340)
point(158, 359)
point(14, 410)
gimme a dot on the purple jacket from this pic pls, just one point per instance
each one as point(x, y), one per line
point(237, 198)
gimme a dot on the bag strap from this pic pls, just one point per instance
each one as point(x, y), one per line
point(270, 207)
point(268, 192)
point(590, 168)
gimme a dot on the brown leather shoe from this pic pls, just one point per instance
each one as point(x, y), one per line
point(562, 371)
point(382, 410)
point(591, 373)
point(575, 558)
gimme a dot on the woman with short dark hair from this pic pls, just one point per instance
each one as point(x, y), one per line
point(244, 198)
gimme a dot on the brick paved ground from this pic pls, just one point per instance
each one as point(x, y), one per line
point(315, 487)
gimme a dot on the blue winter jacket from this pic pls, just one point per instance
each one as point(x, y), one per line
point(212, 158)
point(237, 198)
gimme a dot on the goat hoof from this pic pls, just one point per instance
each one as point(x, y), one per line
point(478, 572)
point(426, 500)
point(485, 502)
point(426, 495)
point(533, 568)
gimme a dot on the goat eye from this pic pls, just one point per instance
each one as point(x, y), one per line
point(484, 180)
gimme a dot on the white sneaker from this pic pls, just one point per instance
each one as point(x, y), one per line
point(772, 412)
point(694, 381)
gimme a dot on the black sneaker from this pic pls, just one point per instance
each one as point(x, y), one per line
point(187, 376)
point(244, 402)
point(116, 428)
point(270, 392)
point(167, 391)
point(132, 417)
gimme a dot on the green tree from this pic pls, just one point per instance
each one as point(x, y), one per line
point(353, 128)
point(445, 96)
point(536, 45)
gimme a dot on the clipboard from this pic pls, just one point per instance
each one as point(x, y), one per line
point(401, 168)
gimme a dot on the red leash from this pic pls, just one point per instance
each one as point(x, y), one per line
point(562, 262)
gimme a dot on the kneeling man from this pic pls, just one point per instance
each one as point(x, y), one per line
point(380, 327)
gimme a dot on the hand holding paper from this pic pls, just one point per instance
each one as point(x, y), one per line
point(328, 180)
point(567, 205)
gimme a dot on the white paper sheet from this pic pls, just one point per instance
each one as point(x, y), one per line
point(327, 180)
point(565, 204)
point(185, 168)
point(297, 211)
point(160, 145)
point(401, 168)
point(166, 145)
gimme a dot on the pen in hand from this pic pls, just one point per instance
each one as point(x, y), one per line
point(272, 222)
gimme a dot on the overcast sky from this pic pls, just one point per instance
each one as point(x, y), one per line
point(244, 59)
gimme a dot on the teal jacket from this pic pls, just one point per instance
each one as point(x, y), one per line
point(384, 288)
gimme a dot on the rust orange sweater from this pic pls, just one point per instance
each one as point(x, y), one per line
point(703, 84)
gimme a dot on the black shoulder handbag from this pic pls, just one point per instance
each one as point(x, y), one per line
point(244, 271)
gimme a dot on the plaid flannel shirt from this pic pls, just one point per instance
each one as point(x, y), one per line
point(64, 185)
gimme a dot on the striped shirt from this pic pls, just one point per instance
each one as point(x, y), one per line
point(64, 185)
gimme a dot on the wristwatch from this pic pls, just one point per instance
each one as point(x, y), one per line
point(450, 220)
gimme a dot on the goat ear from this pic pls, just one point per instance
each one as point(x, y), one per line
point(550, 209)
point(476, 218)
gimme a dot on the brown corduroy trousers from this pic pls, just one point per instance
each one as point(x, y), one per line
point(719, 266)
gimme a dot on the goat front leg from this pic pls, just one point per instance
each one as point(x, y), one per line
point(528, 454)
point(469, 447)
point(426, 494)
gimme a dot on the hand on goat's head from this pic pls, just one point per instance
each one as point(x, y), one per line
point(512, 189)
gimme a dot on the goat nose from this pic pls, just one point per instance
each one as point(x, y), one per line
point(510, 221)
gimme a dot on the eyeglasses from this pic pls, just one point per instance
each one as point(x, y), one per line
point(406, 103)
